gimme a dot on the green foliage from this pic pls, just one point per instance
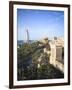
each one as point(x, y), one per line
point(49, 72)
point(45, 58)
point(27, 64)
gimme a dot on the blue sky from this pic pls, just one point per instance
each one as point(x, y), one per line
point(40, 23)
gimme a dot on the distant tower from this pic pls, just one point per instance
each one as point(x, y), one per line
point(27, 36)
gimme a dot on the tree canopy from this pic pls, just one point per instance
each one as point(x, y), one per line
point(27, 63)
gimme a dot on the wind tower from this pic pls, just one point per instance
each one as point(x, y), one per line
point(27, 36)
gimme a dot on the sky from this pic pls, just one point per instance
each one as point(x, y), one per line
point(40, 23)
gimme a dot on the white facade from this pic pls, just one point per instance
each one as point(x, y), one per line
point(56, 55)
